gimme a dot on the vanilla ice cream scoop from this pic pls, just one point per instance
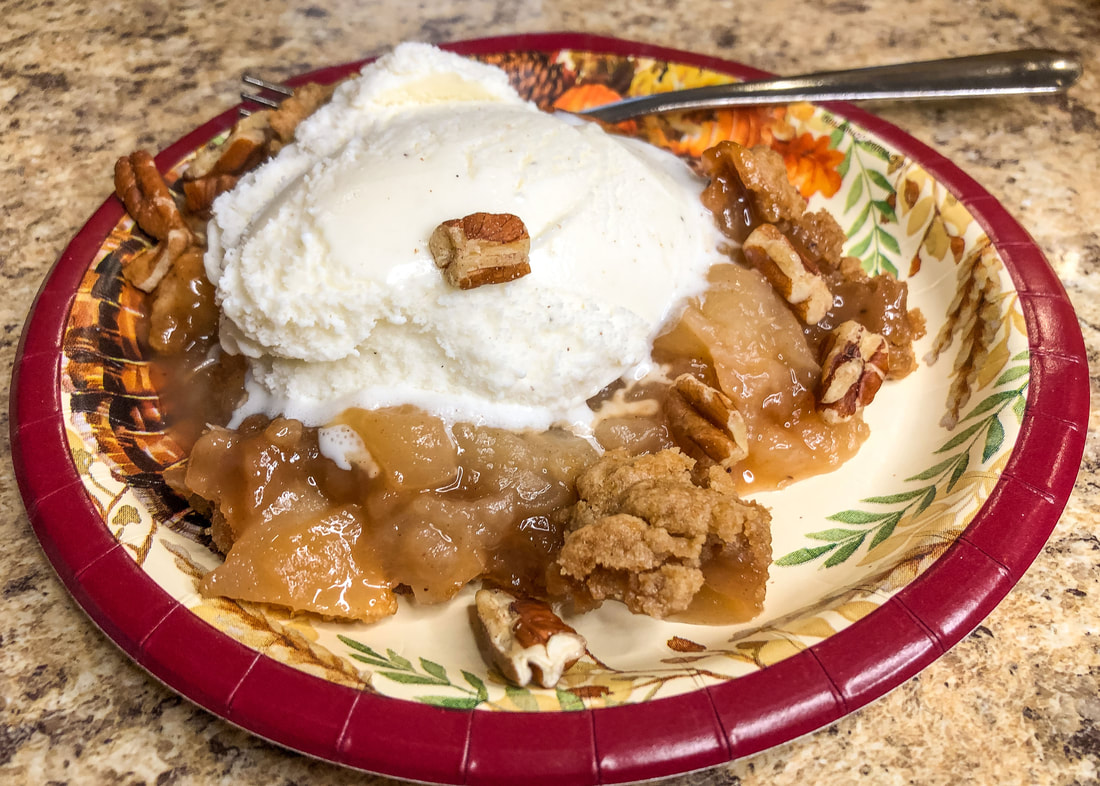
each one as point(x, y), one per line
point(326, 283)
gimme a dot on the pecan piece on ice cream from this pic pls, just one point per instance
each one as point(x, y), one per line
point(644, 533)
point(526, 640)
point(481, 248)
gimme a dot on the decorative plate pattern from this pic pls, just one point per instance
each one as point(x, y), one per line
point(879, 566)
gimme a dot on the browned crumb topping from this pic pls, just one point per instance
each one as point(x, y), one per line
point(819, 235)
point(305, 101)
point(759, 175)
point(642, 531)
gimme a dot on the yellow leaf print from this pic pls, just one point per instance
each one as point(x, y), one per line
point(661, 77)
point(955, 214)
point(895, 163)
point(83, 460)
point(994, 363)
point(803, 111)
point(126, 514)
point(919, 215)
point(917, 176)
point(817, 627)
point(1016, 316)
point(777, 650)
point(855, 610)
point(936, 241)
point(76, 443)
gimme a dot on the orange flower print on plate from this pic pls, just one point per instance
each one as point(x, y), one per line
point(690, 133)
point(586, 96)
point(811, 164)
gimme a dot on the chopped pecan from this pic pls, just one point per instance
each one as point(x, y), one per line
point(797, 279)
point(146, 268)
point(257, 136)
point(145, 194)
point(705, 422)
point(856, 362)
point(525, 638)
point(200, 194)
point(246, 146)
point(481, 248)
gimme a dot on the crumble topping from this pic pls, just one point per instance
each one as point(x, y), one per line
point(642, 531)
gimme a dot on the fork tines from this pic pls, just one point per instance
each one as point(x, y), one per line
point(263, 100)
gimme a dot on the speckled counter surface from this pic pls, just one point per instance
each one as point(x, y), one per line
point(1018, 701)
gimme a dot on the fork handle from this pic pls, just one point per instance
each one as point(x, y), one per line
point(1002, 73)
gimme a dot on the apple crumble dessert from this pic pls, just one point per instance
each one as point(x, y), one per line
point(539, 394)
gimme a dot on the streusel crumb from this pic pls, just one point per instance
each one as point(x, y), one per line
point(642, 532)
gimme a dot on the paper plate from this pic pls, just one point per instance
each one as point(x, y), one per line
point(879, 566)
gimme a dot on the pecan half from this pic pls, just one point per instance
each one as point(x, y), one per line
point(145, 194)
point(524, 638)
point(481, 248)
point(705, 422)
point(856, 362)
point(797, 279)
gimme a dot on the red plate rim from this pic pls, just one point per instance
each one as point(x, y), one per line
point(608, 745)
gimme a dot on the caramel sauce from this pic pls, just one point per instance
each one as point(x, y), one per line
point(197, 384)
point(727, 198)
point(433, 508)
point(447, 506)
point(880, 304)
point(733, 592)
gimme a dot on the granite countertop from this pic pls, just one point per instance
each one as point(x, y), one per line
point(1016, 701)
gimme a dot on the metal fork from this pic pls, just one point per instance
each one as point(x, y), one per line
point(1018, 72)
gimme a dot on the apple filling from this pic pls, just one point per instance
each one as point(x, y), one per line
point(759, 382)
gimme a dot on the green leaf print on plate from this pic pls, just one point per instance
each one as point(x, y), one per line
point(987, 431)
